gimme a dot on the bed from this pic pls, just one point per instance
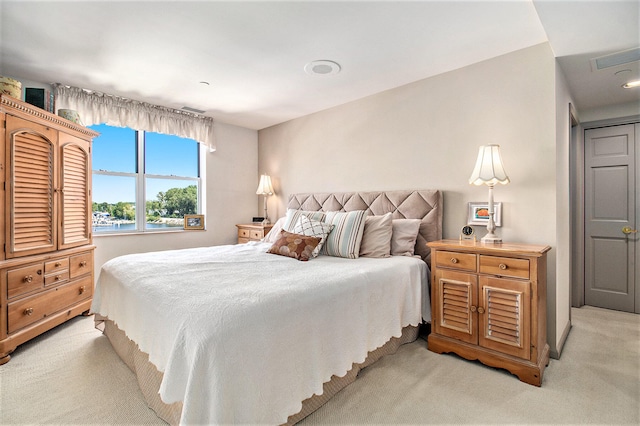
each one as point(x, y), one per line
point(233, 334)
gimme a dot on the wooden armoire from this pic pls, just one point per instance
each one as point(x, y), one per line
point(46, 262)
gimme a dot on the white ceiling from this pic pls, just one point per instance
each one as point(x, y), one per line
point(253, 53)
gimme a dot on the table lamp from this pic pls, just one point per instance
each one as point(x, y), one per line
point(265, 188)
point(489, 171)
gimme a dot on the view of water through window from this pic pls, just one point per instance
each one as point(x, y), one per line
point(132, 168)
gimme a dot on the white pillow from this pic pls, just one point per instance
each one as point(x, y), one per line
point(376, 238)
point(273, 235)
point(313, 228)
point(293, 216)
point(403, 240)
point(346, 236)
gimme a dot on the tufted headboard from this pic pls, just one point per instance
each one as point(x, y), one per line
point(423, 204)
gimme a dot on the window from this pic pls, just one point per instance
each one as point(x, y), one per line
point(134, 168)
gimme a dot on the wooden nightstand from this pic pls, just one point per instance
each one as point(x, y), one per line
point(488, 303)
point(252, 232)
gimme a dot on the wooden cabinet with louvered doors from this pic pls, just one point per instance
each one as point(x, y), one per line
point(49, 175)
point(46, 262)
point(75, 198)
point(31, 182)
point(489, 304)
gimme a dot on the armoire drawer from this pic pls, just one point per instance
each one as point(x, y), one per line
point(34, 308)
point(24, 279)
point(56, 278)
point(80, 264)
point(56, 265)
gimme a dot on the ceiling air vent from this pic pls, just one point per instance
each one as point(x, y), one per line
point(194, 110)
point(615, 59)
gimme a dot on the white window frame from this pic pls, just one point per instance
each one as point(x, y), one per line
point(140, 179)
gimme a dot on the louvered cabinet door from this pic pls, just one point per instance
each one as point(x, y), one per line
point(31, 183)
point(504, 323)
point(75, 198)
point(457, 301)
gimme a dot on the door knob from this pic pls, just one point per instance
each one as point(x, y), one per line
point(627, 230)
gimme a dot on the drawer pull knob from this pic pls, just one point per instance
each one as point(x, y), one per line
point(83, 263)
point(57, 278)
point(28, 311)
point(473, 308)
point(480, 310)
point(58, 264)
point(454, 260)
point(82, 289)
point(27, 279)
point(502, 266)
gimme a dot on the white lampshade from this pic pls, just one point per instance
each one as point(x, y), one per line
point(265, 187)
point(489, 169)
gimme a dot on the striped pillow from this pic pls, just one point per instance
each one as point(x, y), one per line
point(346, 236)
point(293, 216)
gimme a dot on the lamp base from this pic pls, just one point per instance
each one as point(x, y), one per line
point(491, 238)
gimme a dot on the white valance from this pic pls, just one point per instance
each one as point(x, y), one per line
point(101, 108)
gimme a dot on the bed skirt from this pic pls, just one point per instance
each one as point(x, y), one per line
point(149, 378)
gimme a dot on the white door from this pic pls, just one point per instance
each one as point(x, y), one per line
point(611, 217)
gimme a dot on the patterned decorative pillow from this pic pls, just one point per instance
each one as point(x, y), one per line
point(293, 215)
point(346, 236)
point(313, 228)
point(294, 245)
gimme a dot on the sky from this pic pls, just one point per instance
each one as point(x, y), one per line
point(115, 151)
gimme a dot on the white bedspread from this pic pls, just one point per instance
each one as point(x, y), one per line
point(243, 336)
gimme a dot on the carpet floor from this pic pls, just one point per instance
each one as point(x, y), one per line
point(71, 375)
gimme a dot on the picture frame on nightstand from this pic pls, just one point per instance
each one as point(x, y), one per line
point(479, 214)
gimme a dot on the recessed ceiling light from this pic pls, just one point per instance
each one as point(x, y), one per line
point(632, 84)
point(322, 67)
point(206, 83)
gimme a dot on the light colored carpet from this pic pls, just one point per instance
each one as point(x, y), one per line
point(71, 375)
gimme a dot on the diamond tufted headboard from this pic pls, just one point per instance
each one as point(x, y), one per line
point(419, 204)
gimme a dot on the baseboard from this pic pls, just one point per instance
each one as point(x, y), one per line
point(555, 354)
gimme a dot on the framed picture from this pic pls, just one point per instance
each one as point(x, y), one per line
point(479, 214)
point(193, 221)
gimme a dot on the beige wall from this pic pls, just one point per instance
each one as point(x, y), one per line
point(560, 293)
point(426, 135)
point(231, 180)
point(631, 109)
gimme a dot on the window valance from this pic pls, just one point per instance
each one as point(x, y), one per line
point(101, 108)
